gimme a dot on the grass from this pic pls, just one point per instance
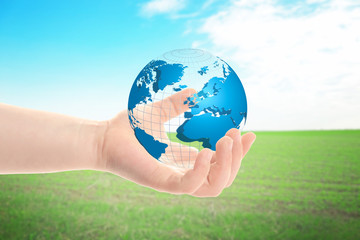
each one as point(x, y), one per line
point(292, 185)
point(172, 137)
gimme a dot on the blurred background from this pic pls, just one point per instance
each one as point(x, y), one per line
point(299, 62)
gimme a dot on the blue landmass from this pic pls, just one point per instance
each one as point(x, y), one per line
point(140, 90)
point(219, 106)
point(203, 70)
point(179, 88)
point(211, 129)
point(154, 147)
point(166, 75)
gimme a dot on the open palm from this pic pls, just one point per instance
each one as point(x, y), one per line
point(122, 154)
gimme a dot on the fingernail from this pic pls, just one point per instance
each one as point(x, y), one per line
point(208, 155)
point(239, 134)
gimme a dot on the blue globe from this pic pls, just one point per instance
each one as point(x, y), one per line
point(184, 101)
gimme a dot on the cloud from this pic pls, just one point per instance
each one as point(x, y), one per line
point(300, 64)
point(154, 7)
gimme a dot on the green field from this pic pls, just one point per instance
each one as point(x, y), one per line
point(292, 185)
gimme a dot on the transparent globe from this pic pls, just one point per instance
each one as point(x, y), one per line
point(184, 101)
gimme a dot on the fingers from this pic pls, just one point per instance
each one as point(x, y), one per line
point(173, 181)
point(206, 179)
point(237, 154)
point(240, 147)
point(247, 140)
point(195, 177)
point(220, 170)
point(173, 105)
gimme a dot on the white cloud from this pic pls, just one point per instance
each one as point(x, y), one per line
point(154, 7)
point(300, 66)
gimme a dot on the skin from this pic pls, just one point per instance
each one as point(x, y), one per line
point(34, 141)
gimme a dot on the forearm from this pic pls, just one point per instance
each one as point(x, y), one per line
point(37, 142)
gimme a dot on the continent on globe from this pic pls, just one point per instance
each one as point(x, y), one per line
point(215, 112)
point(157, 74)
point(217, 103)
point(155, 148)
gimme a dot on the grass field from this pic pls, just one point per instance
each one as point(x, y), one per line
point(292, 185)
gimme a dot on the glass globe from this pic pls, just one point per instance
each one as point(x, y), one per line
point(184, 101)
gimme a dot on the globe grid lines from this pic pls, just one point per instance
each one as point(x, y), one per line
point(171, 147)
point(165, 125)
point(203, 53)
point(161, 126)
point(152, 119)
point(184, 61)
point(196, 68)
point(188, 62)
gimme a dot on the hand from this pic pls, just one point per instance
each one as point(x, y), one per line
point(122, 154)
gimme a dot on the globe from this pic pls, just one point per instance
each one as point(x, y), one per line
point(183, 101)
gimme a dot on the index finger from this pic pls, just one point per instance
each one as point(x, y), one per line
point(174, 105)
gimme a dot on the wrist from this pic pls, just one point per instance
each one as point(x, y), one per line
point(100, 161)
point(92, 135)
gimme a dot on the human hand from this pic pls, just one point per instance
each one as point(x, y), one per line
point(122, 154)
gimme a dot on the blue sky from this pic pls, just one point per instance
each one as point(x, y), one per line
point(79, 57)
point(298, 60)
